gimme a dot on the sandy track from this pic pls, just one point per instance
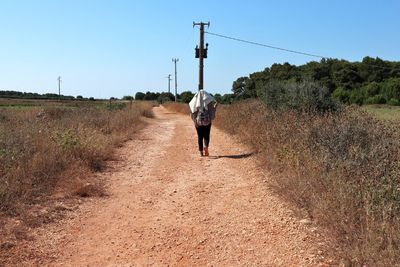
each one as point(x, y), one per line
point(170, 207)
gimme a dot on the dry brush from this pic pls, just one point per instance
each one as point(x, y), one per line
point(342, 167)
point(40, 146)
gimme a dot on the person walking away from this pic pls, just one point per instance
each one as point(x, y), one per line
point(203, 108)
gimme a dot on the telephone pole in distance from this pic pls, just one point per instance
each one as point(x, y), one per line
point(169, 82)
point(59, 87)
point(175, 60)
point(201, 53)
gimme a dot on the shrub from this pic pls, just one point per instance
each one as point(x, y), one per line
point(394, 102)
point(186, 96)
point(371, 89)
point(377, 99)
point(299, 96)
point(342, 95)
point(165, 97)
point(139, 96)
point(391, 88)
point(127, 97)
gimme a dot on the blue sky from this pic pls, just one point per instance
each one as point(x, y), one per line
point(114, 48)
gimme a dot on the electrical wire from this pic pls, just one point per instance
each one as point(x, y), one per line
point(265, 45)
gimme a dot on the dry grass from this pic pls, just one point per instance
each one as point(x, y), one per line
point(48, 156)
point(343, 168)
point(38, 146)
point(177, 107)
point(384, 112)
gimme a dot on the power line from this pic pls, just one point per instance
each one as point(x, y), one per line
point(289, 50)
point(265, 45)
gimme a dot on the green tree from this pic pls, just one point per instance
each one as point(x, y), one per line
point(186, 96)
point(341, 94)
point(218, 98)
point(151, 96)
point(127, 97)
point(139, 96)
point(165, 97)
point(227, 98)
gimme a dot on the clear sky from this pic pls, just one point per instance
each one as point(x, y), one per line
point(106, 48)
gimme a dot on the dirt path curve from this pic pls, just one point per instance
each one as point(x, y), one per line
point(170, 207)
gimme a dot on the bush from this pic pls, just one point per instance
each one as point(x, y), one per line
point(394, 102)
point(377, 99)
point(127, 97)
point(186, 96)
point(165, 97)
point(342, 95)
point(299, 96)
point(139, 96)
point(371, 89)
point(391, 88)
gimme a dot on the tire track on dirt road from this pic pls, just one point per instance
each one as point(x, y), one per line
point(167, 206)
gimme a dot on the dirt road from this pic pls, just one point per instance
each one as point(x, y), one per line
point(167, 206)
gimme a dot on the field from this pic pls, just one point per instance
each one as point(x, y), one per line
point(385, 112)
point(9, 103)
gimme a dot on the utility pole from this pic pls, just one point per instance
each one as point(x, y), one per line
point(176, 83)
point(201, 53)
point(59, 88)
point(169, 82)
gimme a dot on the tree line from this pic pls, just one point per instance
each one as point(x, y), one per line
point(371, 81)
point(183, 97)
point(48, 96)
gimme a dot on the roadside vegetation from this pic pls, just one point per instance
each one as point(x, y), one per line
point(342, 167)
point(43, 147)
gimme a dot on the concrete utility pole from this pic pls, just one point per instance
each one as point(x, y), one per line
point(59, 87)
point(169, 82)
point(201, 53)
point(176, 83)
